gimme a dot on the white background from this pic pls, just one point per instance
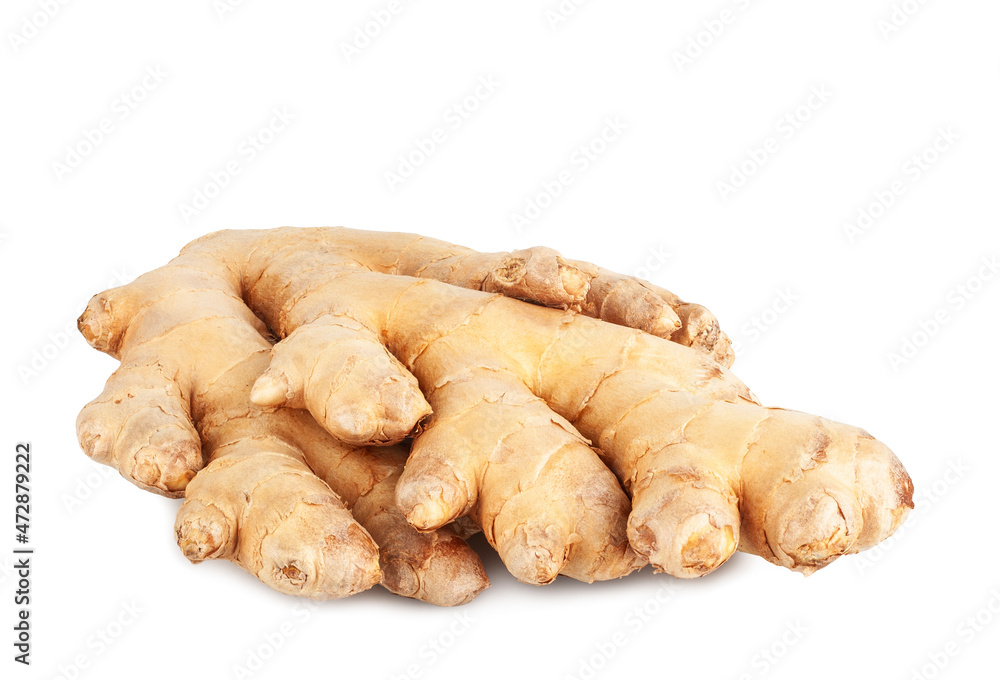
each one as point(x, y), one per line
point(102, 544)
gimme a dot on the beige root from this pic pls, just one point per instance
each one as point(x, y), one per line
point(540, 275)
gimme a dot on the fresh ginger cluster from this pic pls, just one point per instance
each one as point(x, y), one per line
point(340, 408)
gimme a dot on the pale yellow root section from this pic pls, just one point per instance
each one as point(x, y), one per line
point(338, 369)
point(541, 275)
point(259, 505)
point(141, 426)
point(542, 496)
point(434, 566)
point(141, 423)
point(710, 474)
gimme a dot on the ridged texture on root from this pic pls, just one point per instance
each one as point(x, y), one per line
point(544, 499)
point(341, 372)
point(434, 566)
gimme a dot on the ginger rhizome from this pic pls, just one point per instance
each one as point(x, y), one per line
point(521, 412)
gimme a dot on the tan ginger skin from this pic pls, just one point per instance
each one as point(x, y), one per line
point(518, 393)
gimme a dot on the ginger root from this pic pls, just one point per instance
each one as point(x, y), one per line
point(505, 403)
